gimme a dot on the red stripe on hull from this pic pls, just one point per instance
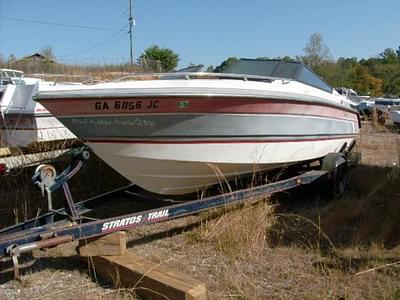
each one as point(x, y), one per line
point(182, 104)
point(116, 141)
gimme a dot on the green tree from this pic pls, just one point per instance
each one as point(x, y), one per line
point(166, 57)
point(389, 56)
point(337, 73)
point(210, 68)
point(386, 67)
point(225, 64)
point(286, 58)
point(263, 58)
point(390, 75)
point(329, 72)
point(364, 83)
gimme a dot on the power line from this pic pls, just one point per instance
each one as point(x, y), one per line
point(99, 44)
point(117, 38)
point(114, 39)
point(59, 24)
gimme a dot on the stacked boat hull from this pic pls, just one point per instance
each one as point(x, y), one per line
point(23, 121)
point(21, 130)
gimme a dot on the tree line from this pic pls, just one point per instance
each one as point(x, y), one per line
point(375, 76)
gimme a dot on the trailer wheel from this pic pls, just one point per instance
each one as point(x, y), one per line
point(336, 165)
point(339, 182)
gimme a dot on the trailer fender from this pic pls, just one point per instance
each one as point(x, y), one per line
point(336, 166)
point(333, 161)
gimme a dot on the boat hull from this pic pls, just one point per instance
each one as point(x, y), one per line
point(180, 139)
point(181, 168)
point(24, 129)
point(395, 116)
point(24, 121)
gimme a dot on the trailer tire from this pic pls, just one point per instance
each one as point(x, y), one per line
point(339, 182)
point(336, 165)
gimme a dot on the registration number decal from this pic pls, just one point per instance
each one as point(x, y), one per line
point(127, 105)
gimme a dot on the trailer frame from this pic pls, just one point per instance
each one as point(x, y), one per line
point(44, 232)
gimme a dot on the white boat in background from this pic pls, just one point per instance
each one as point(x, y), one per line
point(178, 133)
point(394, 112)
point(363, 104)
point(395, 116)
point(24, 121)
point(386, 103)
point(386, 108)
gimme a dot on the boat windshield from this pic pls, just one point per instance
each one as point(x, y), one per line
point(278, 69)
point(8, 76)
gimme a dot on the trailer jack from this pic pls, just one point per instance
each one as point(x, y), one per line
point(46, 178)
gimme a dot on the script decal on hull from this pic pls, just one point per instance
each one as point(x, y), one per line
point(129, 221)
point(133, 122)
point(127, 105)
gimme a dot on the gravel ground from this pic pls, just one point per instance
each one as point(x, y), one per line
point(275, 273)
point(55, 277)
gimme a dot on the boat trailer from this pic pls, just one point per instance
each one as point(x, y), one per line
point(45, 231)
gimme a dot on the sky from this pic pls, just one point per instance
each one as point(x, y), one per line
point(200, 31)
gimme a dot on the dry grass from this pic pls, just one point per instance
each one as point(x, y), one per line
point(346, 248)
point(224, 252)
point(369, 212)
point(238, 235)
point(21, 200)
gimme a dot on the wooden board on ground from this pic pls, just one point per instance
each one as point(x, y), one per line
point(148, 279)
point(111, 244)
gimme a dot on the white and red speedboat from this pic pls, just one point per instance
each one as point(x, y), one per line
point(180, 132)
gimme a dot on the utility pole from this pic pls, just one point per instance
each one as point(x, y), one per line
point(130, 31)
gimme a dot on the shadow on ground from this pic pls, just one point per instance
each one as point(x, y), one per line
point(367, 213)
